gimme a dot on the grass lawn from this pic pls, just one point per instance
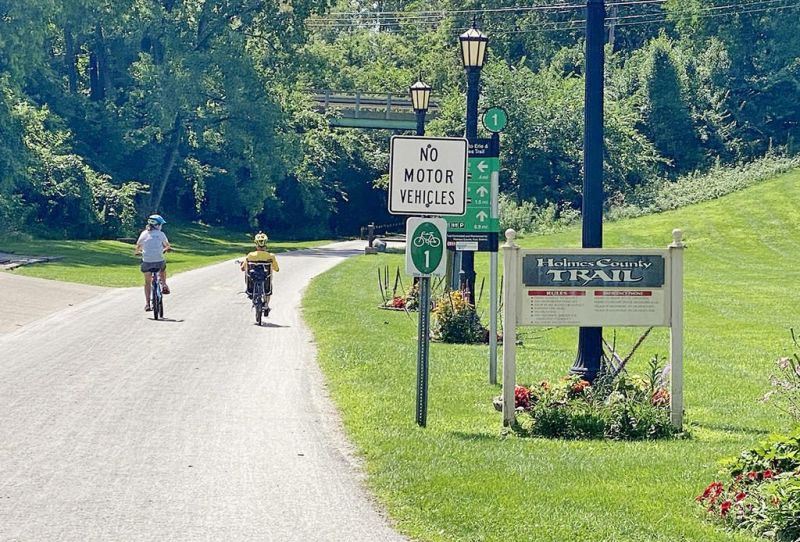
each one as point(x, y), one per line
point(462, 478)
point(112, 263)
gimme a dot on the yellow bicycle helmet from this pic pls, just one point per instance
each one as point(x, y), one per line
point(261, 239)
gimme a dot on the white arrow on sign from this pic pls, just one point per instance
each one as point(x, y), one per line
point(482, 191)
point(482, 216)
point(482, 166)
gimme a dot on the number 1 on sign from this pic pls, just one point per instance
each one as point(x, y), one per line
point(427, 259)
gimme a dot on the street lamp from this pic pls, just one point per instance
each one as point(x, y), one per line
point(473, 54)
point(420, 96)
point(588, 362)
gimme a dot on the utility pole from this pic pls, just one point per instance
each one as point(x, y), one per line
point(590, 339)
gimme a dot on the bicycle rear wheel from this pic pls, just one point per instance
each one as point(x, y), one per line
point(259, 306)
point(155, 296)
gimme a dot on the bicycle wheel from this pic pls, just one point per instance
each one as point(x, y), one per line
point(155, 304)
point(160, 304)
point(155, 295)
point(258, 303)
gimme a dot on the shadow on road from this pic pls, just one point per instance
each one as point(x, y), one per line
point(168, 320)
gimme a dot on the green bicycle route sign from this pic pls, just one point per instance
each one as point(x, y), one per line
point(425, 245)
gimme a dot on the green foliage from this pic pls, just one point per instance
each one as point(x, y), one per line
point(666, 118)
point(206, 104)
point(529, 218)
point(661, 195)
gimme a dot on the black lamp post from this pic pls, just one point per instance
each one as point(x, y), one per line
point(590, 339)
point(473, 54)
point(420, 96)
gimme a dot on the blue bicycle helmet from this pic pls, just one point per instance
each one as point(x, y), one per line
point(156, 220)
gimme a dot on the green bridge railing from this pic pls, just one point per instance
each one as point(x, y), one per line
point(368, 110)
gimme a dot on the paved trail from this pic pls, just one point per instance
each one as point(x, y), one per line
point(200, 427)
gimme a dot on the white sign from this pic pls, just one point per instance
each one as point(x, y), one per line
point(593, 288)
point(428, 176)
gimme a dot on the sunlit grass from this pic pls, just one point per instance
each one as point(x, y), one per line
point(112, 263)
point(462, 478)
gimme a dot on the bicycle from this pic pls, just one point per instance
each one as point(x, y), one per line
point(426, 238)
point(261, 278)
point(156, 295)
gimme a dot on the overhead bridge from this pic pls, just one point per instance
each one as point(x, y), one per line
point(372, 111)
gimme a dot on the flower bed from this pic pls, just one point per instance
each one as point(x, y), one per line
point(624, 407)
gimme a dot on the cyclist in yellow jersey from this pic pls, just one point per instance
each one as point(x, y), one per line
point(260, 255)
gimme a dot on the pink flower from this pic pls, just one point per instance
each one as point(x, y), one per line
point(521, 397)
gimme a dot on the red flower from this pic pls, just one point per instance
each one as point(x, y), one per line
point(768, 474)
point(522, 397)
point(713, 491)
point(740, 496)
point(725, 507)
point(752, 475)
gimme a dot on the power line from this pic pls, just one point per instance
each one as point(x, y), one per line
point(625, 20)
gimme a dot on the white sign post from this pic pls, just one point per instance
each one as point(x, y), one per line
point(428, 176)
point(593, 288)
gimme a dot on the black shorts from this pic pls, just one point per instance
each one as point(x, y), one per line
point(148, 267)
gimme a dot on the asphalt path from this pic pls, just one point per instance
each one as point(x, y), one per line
point(203, 426)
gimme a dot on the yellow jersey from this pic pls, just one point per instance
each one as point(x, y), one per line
point(261, 256)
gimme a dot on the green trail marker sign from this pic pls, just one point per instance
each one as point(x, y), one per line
point(425, 244)
point(495, 119)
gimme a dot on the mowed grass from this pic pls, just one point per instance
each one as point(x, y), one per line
point(112, 263)
point(463, 478)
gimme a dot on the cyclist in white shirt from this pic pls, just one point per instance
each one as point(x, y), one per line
point(152, 244)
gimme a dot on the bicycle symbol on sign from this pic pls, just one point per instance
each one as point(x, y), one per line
point(427, 238)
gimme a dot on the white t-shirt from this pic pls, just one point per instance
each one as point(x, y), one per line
point(152, 243)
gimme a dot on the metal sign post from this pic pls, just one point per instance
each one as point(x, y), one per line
point(425, 257)
point(495, 214)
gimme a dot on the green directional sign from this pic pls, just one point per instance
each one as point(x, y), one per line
point(425, 245)
point(478, 216)
point(495, 119)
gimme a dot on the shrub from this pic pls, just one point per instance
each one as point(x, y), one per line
point(529, 218)
point(763, 494)
point(455, 320)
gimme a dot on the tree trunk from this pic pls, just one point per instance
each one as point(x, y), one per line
point(94, 79)
point(169, 163)
point(69, 60)
point(103, 72)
